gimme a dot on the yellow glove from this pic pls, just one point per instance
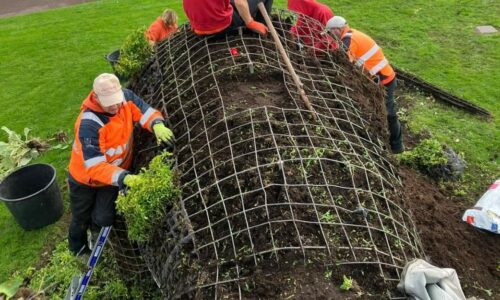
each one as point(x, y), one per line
point(131, 180)
point(163, 134)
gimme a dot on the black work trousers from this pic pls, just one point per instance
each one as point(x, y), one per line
point(396, 134)
point(254, 12)
point(91, 208)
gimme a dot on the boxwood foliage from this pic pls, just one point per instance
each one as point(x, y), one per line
point(428, 153)
point(144, 204)
point(134, 53)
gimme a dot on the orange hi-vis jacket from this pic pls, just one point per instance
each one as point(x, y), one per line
point(158, 31)
point(102, 151)
point(368, 54)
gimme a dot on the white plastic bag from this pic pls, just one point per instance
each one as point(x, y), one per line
point(486, 213)
point(423, 281)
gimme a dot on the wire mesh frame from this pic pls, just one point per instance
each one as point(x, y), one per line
point(127, 254)
point(285, 145)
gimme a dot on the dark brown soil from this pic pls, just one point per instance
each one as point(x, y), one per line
point(448, 241)
point(216, 163)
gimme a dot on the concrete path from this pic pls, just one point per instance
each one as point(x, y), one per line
point(17, 7)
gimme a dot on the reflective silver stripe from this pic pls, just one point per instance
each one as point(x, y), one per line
point(116, 175)
point(91, 116)
point(94, 161)
point(117, 162)
point(146, 116)
point(368, 54)
point(75, 147)
point(348, 34)
point(113, 151)
point(379, 66)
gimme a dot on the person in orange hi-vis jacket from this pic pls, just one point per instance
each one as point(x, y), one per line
point(163, 27)
point(365, 53)
point(102, 153)
point(214, 17)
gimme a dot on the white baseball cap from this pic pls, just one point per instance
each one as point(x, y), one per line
point(108, 89)
point(336, 22)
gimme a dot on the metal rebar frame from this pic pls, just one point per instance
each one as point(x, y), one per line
point(261, 180)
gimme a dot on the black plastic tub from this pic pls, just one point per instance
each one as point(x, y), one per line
point(113, 58)
point(32, 195)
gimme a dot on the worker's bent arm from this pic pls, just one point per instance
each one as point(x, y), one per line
point(243, 10)
point(96, 164)
point(141, 111)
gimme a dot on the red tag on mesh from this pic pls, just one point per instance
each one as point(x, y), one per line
point(470, 219)
point(234, 51)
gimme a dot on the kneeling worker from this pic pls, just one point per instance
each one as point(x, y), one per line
point(102, 153)
point(210, 17)
point(163, 27)
point(365, 53)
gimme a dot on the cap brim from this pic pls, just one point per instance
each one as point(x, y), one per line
point(112, 99)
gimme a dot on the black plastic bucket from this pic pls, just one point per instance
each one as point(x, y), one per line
point(113, 58)
point(32, 195)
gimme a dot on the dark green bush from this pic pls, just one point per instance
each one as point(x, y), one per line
point(144, 204)
point(428, 153)
point(134, 53)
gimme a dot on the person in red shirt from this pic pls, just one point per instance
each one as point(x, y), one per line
point(210, 17)
point(309, 31)
point(163, 27)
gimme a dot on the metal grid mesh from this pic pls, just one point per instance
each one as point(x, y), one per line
point(262, 182)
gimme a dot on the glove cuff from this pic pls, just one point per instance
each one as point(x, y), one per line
point(249, 22)
point(156, 122)
point(121, 185)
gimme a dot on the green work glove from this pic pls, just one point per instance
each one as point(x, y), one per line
point(163, 134)
point(131, 180)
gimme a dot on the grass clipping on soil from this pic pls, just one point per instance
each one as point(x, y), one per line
point(143, 205)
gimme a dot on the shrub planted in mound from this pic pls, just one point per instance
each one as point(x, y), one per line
point(428, 153)
point(134, 53)
point(434, 159)
point(143, 205)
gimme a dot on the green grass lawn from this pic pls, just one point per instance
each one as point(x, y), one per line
point(49, 59)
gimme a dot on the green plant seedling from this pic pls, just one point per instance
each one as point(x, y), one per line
point(346, 283)
point(327, 217)
point(328, 274)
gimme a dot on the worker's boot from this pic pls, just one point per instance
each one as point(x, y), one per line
point(93, 236)
point(396, 135)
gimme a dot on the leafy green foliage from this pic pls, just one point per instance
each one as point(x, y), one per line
point(328, 274)
point(428, 153)
point(18, 151)
point(9, 287)
point(53, 280)
point(346, 283)
point(327, 217)
point(144, 204)
point(55, 277)
point(134, 53)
